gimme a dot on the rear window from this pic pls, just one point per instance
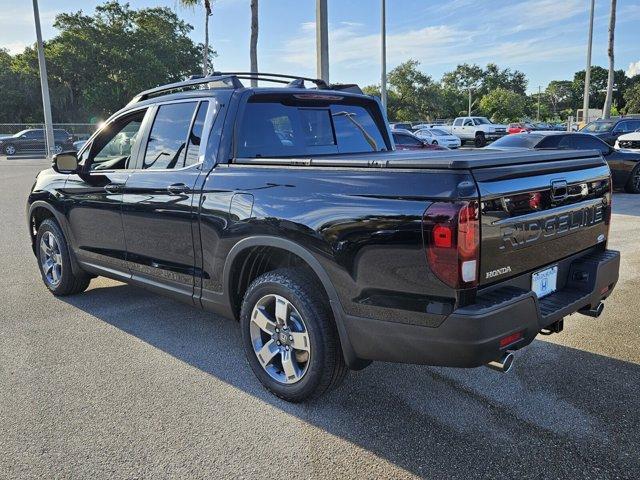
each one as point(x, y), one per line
point(524, 140)
point(272, 128)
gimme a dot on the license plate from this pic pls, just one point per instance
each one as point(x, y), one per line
point(544, 282)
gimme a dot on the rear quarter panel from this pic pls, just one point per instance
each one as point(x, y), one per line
point(364, 226)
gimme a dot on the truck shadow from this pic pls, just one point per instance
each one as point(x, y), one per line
point(559, 406)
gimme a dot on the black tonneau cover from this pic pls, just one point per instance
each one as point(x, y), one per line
point(435, 159)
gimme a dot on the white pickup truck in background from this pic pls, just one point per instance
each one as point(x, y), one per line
point(478, 129)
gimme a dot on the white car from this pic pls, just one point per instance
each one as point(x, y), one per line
point(629, 141)
point(435, 136)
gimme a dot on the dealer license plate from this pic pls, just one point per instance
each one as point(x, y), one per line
point(544, 282)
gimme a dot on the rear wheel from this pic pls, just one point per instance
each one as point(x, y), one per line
point(480, 140)
point(55, 263)
point(435, 142)
point(633, 184)
point(289, 336)
point(10, 149)
point(57, 149)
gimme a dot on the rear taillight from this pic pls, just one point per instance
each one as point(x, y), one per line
point(452, 239)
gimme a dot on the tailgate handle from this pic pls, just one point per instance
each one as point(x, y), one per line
point(559, 190)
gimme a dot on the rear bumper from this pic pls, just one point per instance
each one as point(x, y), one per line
point(470, 336)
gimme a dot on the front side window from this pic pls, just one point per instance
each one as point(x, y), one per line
point(195, 137)
point(286, 128)
point(407, 140)
point(168, 138)
point(114, 145)
point(468, 123)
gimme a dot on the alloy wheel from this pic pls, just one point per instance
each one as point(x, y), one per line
point(636, 180)
point(50, 259)
point(57, 149)
point(10, 150)
point(280, 339)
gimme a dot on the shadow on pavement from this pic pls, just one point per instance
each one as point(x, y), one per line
point(562, 412)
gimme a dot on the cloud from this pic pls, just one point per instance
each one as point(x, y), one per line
point(634, 69)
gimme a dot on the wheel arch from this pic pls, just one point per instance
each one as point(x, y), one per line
point(239, 251)
point(39, 211)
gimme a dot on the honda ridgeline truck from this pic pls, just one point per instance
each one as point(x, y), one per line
point(288, 209)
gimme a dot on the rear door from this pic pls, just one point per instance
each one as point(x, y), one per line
point(535, 214)
point(161, 196)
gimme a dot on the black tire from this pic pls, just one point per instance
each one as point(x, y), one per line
point(326, 368)
point(10, 149)
point(68, 283)
point(633, 184)
point(435, 142)
point(480, 141)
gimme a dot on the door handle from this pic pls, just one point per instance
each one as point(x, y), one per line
point(113, 188)
point(177, 189)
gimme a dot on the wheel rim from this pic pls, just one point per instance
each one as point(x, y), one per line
point(50, 259)
point(58, 149)
point(280, 339)
point(10, 150)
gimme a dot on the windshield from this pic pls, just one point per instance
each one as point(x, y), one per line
point(482, 121)
point(21, 132)
point(595, 127)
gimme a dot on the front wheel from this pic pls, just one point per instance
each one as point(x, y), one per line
point(633, 184)
point(480, 141)
point(435, 142)
point(10, 149)
point(55, 263)
point(57, 149)
point(289, 336)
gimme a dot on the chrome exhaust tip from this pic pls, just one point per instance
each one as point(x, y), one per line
point(593, 312)
point(503, 364)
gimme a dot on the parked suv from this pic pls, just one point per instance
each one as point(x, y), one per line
point(288, 209)
point(33, 140)
point(610, 130)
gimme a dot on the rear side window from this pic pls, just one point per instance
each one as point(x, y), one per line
point(402, 139)
point(517, 141)
point(277, 129)
point(168, 137)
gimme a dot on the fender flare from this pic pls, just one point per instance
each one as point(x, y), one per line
point(336, 307)
point(75, 267)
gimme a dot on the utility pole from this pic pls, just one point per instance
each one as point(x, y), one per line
point(322, 40)
point(469, 101)
point(44, 85)
point(538, 117)
point(587, 72)
point(383, 56)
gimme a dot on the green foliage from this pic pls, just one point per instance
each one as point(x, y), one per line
point(502, 105)
point(632, 97)
point(97, 63)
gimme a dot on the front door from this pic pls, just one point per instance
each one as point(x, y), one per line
point(158, 202)
point(95, 195)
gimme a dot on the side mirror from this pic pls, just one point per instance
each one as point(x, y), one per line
point(65, 162)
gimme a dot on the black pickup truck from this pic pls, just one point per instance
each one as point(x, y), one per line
point(288, 209)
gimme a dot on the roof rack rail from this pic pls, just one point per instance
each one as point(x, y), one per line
point(232, 80)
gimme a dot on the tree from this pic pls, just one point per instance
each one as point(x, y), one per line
point(610, 79)
point(632, 97)
point(205, 47)
point(94, 63)
point(484, 80)
point(559, 94)
point(253, 49)
point(504, 105)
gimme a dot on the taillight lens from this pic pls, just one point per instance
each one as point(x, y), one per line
point(452, 239)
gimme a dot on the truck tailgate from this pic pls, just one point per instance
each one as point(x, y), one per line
point(535, 214)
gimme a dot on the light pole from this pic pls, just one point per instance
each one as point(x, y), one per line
point(322, 40)
point(44, 85)
point(538, 117)
point(470, 88)
point(587, 72)
point(383, 56)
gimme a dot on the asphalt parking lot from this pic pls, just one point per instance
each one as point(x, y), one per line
point(122, 383)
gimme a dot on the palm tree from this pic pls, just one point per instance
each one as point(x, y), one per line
point(253, 48)
point(612, 28)
point(205, 48)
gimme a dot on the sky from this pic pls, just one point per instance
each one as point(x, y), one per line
point(546, 39)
